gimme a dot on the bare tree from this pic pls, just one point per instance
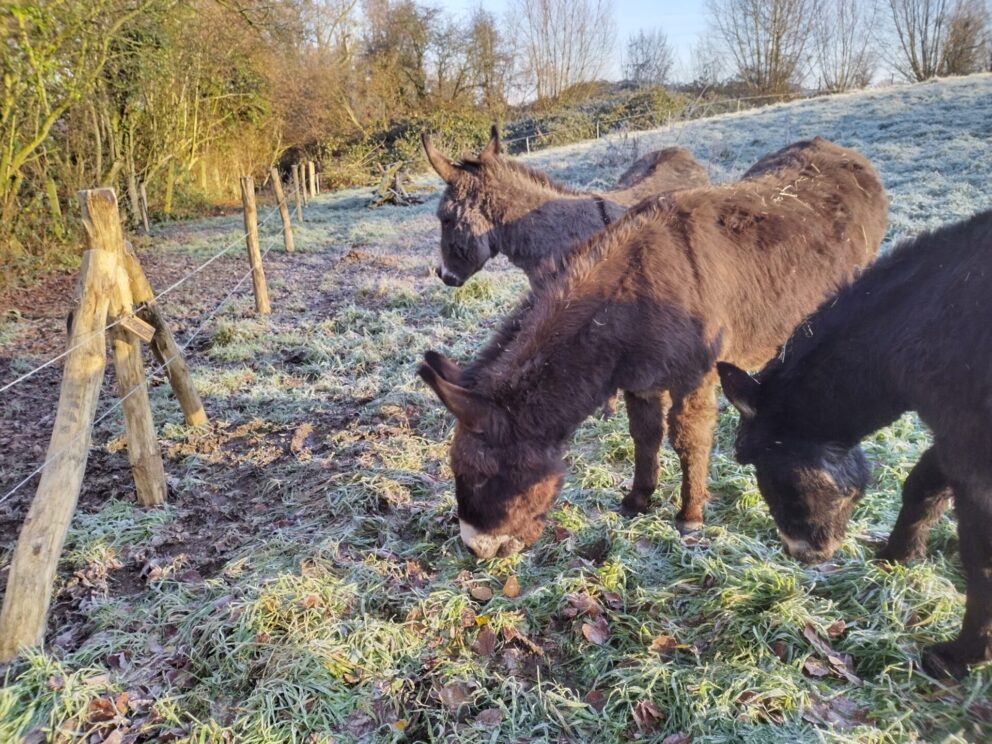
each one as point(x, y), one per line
point(767, 40)
point(966, 46)
point(649, 58)
point(707, 63)
point(844, 39)
point(920, 27)
point(562, 42)
point(490, 61)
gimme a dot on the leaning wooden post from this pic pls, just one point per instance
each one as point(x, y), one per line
point(287, 225)
point(312, 168)
point(163, 344)
point(32, 570)
point(254, 254)
point(296, 192)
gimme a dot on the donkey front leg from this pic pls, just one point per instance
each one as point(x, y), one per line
point(691, 422)
point(646, 419)
point(926, 494)
point(974, 644)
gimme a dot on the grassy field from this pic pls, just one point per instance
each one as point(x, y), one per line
point(306, 582)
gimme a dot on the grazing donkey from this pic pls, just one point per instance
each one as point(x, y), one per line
point(496, 205)
point(911, 334)
point(648, 306)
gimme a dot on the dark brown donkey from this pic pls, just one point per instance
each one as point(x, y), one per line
point(648, 306)
point(496, 205)
point(914, 333)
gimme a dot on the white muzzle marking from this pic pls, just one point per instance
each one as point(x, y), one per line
point(796, 548)
point(486, 546)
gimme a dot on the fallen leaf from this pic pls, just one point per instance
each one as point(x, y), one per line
point(311, 601)
point(101, 710)
point(815, 668)
point(840, 663)
point(597, 631)
point(781, 650)
point(663, 645)
point(511, 588)
point(595, 700)
point(34, 736)
point(485, 642)
point(114, 737)
point(489, 717)
point(561, 534)
point(836, 629)
point(646, 715)
point(400, 725)
point(481, 593)
point(679, 738)
point(454, 696)
point(581, 603)
point(613, 600)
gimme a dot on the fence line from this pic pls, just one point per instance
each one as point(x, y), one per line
point(227, 249)
point(120, 402)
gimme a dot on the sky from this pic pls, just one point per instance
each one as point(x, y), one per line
point(683, 22)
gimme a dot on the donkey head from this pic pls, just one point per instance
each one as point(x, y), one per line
point(810, 486)
point(504, 486)
point(466, 226)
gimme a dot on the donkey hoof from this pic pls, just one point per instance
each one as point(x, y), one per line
point(634, 504)
point(688, 527)
point(941, 661)
point(890, 553)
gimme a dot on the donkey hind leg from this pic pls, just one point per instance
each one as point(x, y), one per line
point(974, 643)
point(646, 419)
point(691, 421)
point(926, 494)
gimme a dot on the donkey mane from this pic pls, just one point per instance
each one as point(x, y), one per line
point(507, 166)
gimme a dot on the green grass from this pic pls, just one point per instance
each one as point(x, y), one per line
point(307, 583)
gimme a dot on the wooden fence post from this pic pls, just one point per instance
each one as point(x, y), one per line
point(163, 344)
point(527, 142)
point(39, 546)
point(287, 225)
point(302, 168)
point(254, 254)
point(312, 168)
point(296, 192)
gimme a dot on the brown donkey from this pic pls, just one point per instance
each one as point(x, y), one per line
point(648, 306)
point(496, 205)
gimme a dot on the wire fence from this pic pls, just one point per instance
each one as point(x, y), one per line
point(148, 377)
point(175, 285)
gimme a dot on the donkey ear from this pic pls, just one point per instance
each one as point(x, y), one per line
point(447, 369)
point(493, 147)
point(444, 167)
point(740, 388)
point(471, 409)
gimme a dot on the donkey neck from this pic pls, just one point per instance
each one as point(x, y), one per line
point(536, 225)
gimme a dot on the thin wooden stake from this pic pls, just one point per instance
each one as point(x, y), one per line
point(254, 254)
point(296, 192)
point(287, 225)
point(303, 182)
point(163, 344)
point(39, 546)
point(311, 166)
point(143, 203)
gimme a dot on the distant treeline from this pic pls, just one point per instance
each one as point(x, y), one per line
point(185, 96)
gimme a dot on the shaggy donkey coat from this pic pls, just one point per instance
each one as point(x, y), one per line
point(496, 205)
point(914, 333)
point(648, 306)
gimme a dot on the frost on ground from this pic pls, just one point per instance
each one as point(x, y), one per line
point(306, 582)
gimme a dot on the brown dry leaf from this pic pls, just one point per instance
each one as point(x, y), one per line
point(489, 717)
point(836, 629)
point(511, 588)
point(34, 736)
point(595, 700)
point(613, 600)
point(561, 534)
point(815, 667)
point(481, 593)
point(310, 601)
point(581, 604)
point(647, 716)
point(97, 679)
point(679, 738)
point(664, 645)
point(485, 642)
point(839, 663)
point(781, 650)
point(838, 713)
point(101, 710)
point(596, 631)
point(114, 737)
point(454, 696)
